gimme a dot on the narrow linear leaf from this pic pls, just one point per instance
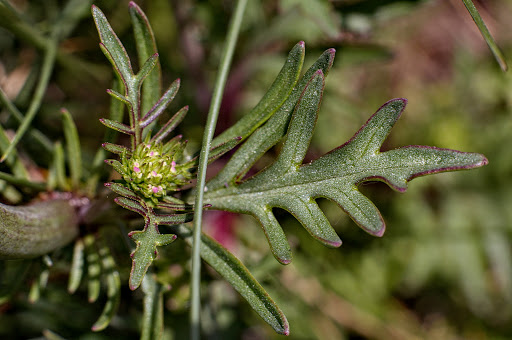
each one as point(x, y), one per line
point(117, 126)
point(22, 182)
point(35, 135)
point(131, 205)
point(271, 101)
point(112, 46)
point(73, 149)
point(146, 47)
point(221, 149)
point(170, 125)
point(116, 165)
point(116, 149)
point(77, 266)
point(93, 267)
point(122, 190)
point(174, 219)
point(46, 71)
point(498, 55)
point(14, 163)
point(229, 267)
point(162, 104)
point(147, 67)
point(113, 289)
point(118, 96)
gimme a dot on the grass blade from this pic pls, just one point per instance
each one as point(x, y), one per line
point(498, 55)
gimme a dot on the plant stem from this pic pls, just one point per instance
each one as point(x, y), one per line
point(48, 63)
point(233, 31)
point(498, 55)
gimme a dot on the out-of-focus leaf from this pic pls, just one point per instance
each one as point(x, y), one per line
point(153, 318)
point(37, 229)
point(77, 266)
point(113, 281)
point(93, 267)
point(74, 150)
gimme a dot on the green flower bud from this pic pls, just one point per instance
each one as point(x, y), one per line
point(153, 173)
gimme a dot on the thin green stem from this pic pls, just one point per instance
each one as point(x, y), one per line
point(498, 55)
point(16, 114)
point(48, 63)
point(229, 48)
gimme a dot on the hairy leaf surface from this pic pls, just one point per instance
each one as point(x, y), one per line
point(290, 185)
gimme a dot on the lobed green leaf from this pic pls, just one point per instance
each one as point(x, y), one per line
point(269, 134)
point(145, 252)
point(289, 185)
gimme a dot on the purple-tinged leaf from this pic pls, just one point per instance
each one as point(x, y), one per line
point(118, 96)
point(294, 187)
point(112, 46)
point(174, 218)
point(145, 252)
point(116, 149)
point(131, 205)
point(117, 126)
point(122, 190)
point(162, 104)
point(116, 165)
point(147, 67)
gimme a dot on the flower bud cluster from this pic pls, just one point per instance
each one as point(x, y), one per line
point(153, 172)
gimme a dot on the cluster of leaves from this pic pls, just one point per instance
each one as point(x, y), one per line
point(156, 172)
point(288, 110)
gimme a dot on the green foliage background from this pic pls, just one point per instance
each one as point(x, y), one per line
point(443, 269)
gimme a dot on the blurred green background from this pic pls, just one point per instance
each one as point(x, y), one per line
point(442, 270)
